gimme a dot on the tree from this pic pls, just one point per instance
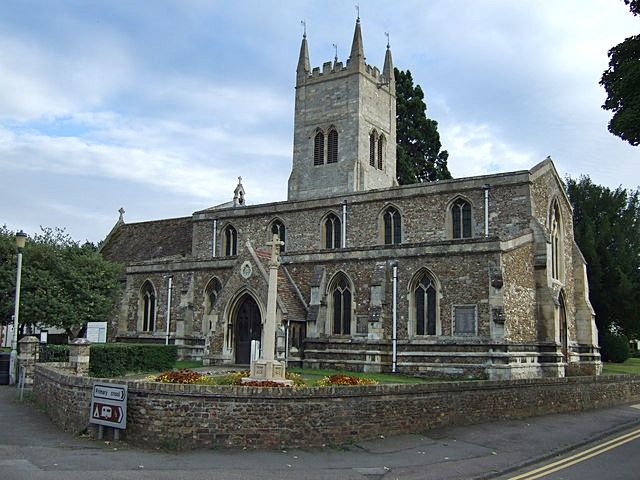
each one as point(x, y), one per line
point(64, 284)
point(622, 83)
point(419, 154)
point(607, 230)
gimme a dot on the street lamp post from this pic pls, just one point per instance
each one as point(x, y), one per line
point(21, 239)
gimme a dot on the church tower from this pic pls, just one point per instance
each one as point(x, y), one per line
point(345, 125)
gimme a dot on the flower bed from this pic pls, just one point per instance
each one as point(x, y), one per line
point(186, 376)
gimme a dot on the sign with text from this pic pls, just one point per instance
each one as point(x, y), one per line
point(109, 405)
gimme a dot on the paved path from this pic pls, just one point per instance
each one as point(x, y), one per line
point(31, 447)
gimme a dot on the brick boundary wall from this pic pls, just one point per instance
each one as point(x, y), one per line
point(196, 416)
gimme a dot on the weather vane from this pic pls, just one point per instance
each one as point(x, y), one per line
point(358, 10)
point(387, 35)
point(304, 28)
point(335, 47)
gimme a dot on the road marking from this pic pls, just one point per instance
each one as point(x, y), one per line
point(636, 406)
point(578, 457)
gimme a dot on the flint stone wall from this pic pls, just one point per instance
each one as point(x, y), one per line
point(195, 416)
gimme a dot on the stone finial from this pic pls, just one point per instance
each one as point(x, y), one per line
point(121, 212)
point(238, 194)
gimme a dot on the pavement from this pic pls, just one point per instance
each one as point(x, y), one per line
point(31, 447)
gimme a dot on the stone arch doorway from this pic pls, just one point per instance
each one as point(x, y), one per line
point(247, 327)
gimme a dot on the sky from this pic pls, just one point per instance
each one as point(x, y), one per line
point(158, 106)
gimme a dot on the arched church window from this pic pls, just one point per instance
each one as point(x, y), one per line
point(425, 305)
point(318, 149)
point(332, 231)
point(562, 325)
point(277, 228)
point(373, 139)
point(212, 292)
point(392, 226)
point(381, 146)
point(148, 305)
point(341, 305)
point(556, 242)
point(230, 239)
point(461, 219)
point(332, 146)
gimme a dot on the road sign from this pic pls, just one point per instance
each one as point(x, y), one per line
point(109, 405)
point(110, 392)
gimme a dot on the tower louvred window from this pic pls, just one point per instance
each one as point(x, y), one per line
point(318, 149)
point(372, 148)
point(332, 147)
point(380, 151)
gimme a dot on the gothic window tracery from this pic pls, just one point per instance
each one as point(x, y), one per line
point(392, 226)
point(332, 231)
point(425, 301)
point(148, 304)
point(341, 305)
point(230, 240)
point(461, 219)
point(556, 242)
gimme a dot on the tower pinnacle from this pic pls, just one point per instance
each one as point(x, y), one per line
point(304, 67)
point(357, 48)
point(387, 70)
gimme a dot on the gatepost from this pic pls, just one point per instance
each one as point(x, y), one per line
point(29, 352)
point(79, 356)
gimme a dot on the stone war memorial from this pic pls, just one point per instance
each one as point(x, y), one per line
point(476, 277)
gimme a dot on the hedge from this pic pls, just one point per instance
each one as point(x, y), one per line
point(54, 353)
point(117, 359)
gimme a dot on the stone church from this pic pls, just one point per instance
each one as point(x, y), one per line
point(473, 277)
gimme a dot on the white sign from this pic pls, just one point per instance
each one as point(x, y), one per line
point(109, 405)
point(97, 332)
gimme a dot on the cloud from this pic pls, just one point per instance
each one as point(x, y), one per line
point(43, 83)
point(477, 150)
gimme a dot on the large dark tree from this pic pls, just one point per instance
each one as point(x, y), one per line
point(64, 284)
point(419, 154)
point(622, 83)
point(607, 230)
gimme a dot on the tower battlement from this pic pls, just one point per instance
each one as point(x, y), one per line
point(336, 68)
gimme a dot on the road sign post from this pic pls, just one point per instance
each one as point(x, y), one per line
point(109, 406)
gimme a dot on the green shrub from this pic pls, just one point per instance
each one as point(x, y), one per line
point(54, 353)
point(117, 359)
point(615, 348)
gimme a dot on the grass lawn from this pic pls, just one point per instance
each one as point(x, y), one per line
point(310, 375)
point(632, 365)
point(186, 364)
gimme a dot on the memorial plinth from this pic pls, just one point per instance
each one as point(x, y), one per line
point(267, 368)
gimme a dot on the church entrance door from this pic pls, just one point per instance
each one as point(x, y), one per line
point(248, 326)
